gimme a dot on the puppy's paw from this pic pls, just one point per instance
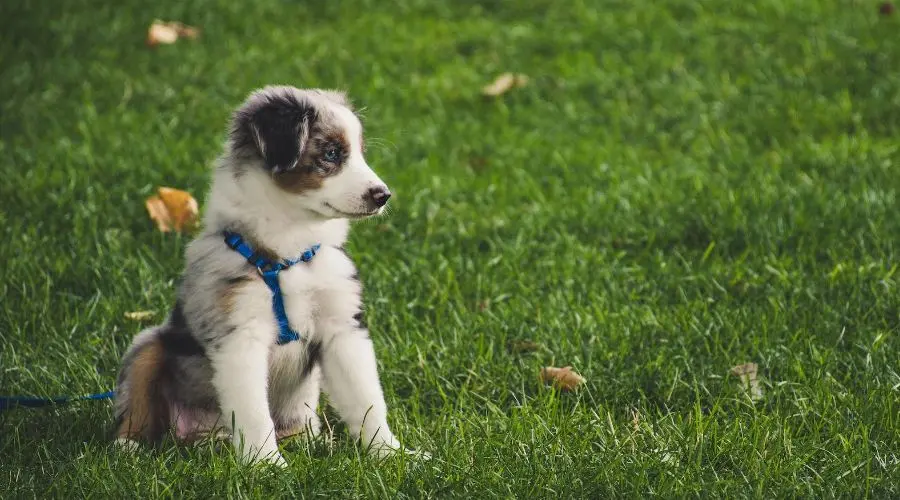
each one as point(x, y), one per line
point(277, 460)
point(260, 453)
point(271, 458)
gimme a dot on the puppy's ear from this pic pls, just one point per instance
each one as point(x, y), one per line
point(275, 126)
point(280, 134)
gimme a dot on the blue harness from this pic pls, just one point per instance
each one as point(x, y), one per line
point(269, 271)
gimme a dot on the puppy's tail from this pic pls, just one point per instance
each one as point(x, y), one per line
point(142, 412)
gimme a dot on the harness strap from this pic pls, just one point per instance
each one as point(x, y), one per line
point(285, 333)
point(269, 270)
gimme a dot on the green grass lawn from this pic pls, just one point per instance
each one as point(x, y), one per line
point(682, 187)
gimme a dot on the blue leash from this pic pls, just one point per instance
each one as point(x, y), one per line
point(269, 271)
point(9, 402)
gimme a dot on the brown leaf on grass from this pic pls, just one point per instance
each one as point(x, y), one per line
point(182, 207)
point(504, 83)
point(173, 209)
point(158, 213)
point(564, 379)
point(749, 381)
point(185, 31)
point(139, 315)
point(162, 33)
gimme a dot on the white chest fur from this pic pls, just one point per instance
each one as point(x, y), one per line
point(321, 296)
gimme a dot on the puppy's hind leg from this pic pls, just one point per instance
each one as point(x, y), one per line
point(141, 409)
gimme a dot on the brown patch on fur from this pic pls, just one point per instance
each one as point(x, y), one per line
point(312, 168)
point(262, 251)
point(146, 415)
point(299, 180)
point(229, 292)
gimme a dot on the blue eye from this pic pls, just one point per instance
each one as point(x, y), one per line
point(332, 155)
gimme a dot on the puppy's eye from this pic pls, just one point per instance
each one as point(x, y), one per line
point(332, 155)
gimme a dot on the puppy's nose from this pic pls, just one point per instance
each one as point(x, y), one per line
point(379, 195)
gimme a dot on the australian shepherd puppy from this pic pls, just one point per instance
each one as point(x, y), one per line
point(291, 178)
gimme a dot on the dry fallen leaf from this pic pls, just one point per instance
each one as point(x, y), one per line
point(749, 381)
point(563, 378)
point(139, 315)
point(181, 205)
point(504, 83)
point(173, 209)
point(500, 85)
point(185, 31)
point(158, 213)
point(161, 33)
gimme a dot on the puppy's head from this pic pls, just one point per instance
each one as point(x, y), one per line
point(309, 144)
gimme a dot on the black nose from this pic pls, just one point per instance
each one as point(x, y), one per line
point(379, 195)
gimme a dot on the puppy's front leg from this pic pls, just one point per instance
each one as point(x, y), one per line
point(351, 382)
point(241, 366)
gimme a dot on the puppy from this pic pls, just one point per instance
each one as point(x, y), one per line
point(291, 178)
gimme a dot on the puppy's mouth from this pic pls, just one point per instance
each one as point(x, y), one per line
point(353, 215)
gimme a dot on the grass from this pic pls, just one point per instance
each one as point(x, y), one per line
point(682, 187)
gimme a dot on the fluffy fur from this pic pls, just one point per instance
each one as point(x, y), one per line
point(292, 175)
